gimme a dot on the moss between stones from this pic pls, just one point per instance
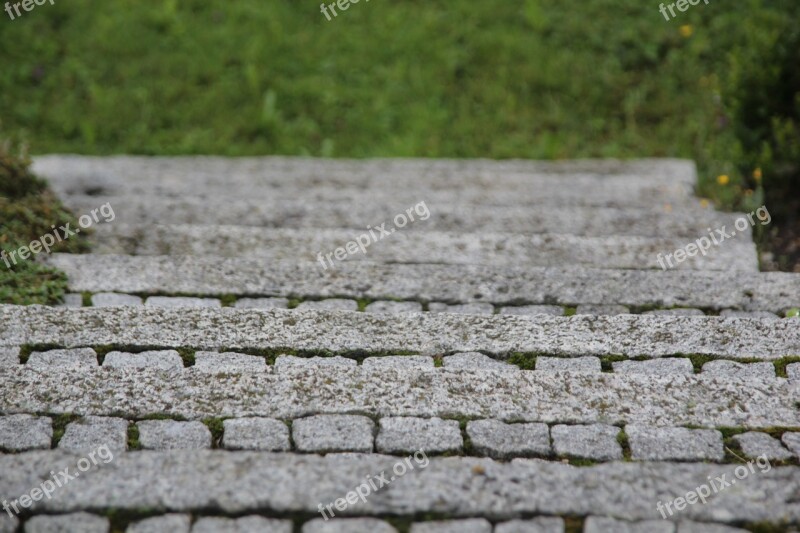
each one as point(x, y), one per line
point(216, 427)
point(781, 364)
point(133, 438)
point(26, 350)
point(60, 426)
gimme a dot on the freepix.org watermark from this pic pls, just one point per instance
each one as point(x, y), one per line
point(47, 241)
point(58, 480)
point(715, 238)
point(718, 484)
point(343, 5)
point(27, 5)
point(682, 5)
point(364, 240)
point(375, 483)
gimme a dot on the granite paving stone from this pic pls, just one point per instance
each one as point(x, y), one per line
point(755, 444)
point(72, 300)
point(8, 524)
point(674, 443)
point(687, 526)
point(543, 524)
point(333, 433)
point(77, 357)
point(22, 432)
point(173, 435)
point(792, 441)
point(68, 523)
point(158, 359)
point(168, 523)
point(264, 434)
point(112, 299)
point(285, 362)
point(593, 441)
point(730, 313)
point(472, 525)
point(605, 310)
point(599, 524)
point(527, 310)
point(245, 524)
point(462, 309)
point(262, 303)
point(793, 371)
point(348, 525)
point(394, 307)
point(582, 365)
point(92, 432)
point(177, 302)
point(501, 441)
point(675, 312)
point(229, 362)
point(472, 360)
point(732, 368)
point(399, 361)
point(411, 434)
point(663, 367)
point(9, 356)
point(333, 304)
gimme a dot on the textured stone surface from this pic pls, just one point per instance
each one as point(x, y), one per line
point(755, 444)
point(527, 310)
point(333, 433)
point(662, 367)
point(410, 434)
point(499, 440)
point(172, 302)
point(172, 435)
point(246, 524)
point(594, 441)
point(111, 299)
point(263, 434)
point(793, 371)
point(333, 304)
point(229, 362)
point(687, 526)
point(471, 360)
point(91, 432)
point(162, 359)
point(732, 368)
point(507, 394)
point(674, 444)
point(543, 524)
point(598, 524)
point(261, 303)
point(518, 284)
point(675, 312)
point(462, 309)
point(394, 307)
point(286, 362)
point(792, 441)
point(83, 522)
point(245, 482)
point(9, 356)
point(399, 361)
point(347, 525)
point(8, 524)
point(25, 432)
point(430, 333)
point(606, 310)
point(78, 357)
point(472, 525)
point(169, 523)
point(729, 313)
point(72, 300)
point(582, 365)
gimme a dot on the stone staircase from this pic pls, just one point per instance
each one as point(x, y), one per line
point(515, 361)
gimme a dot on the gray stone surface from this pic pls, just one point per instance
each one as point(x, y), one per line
point(793, 371)
point(411, 434)
point(605, 310)
point(9, 356)
point(347, 525)
point(502, 441)
point(75, 358)
point(687, 526)
point(755, 444)
point(262, 434)
point(675, 312)
point(507, 394)
point(661, 367)
point(471, 525)
point(177, 302)
point(160, 359)
point(732, 368)
point(111, 299)
point(542, 524)
point(674, 444)
point(333, 433)
point(599, 524)
point(582, 365)
point(229, 362)
point(462, 309)
point(22, 432)
point(730, 313)
point(172, 435)
point(528, 310)
point(791, 440)
point(471, 360)
point(399, 361)
point(245, 482)
point(72, 300)
point(594, 441)
point(69, 523)
point(262, 303)
point(394, 307)
point(286, 362)
point(169, 523)
point(332, 304)
point(247, 524)
point(91, 432)
point(8, 524)
point(564, 285)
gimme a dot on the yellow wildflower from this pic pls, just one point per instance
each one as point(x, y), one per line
point(723, 180)
point(687, 30)
point(757, 175)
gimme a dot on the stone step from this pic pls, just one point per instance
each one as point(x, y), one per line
point(244, 482)
point(290, 212)
point(646, 182)
point(506, 394)
point(396, 246)
point(774, 292)
point(428, 333)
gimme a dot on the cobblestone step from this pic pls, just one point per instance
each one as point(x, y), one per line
point(417, 247)
point(244, 482)
point(773, 292)
point(429, 333)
